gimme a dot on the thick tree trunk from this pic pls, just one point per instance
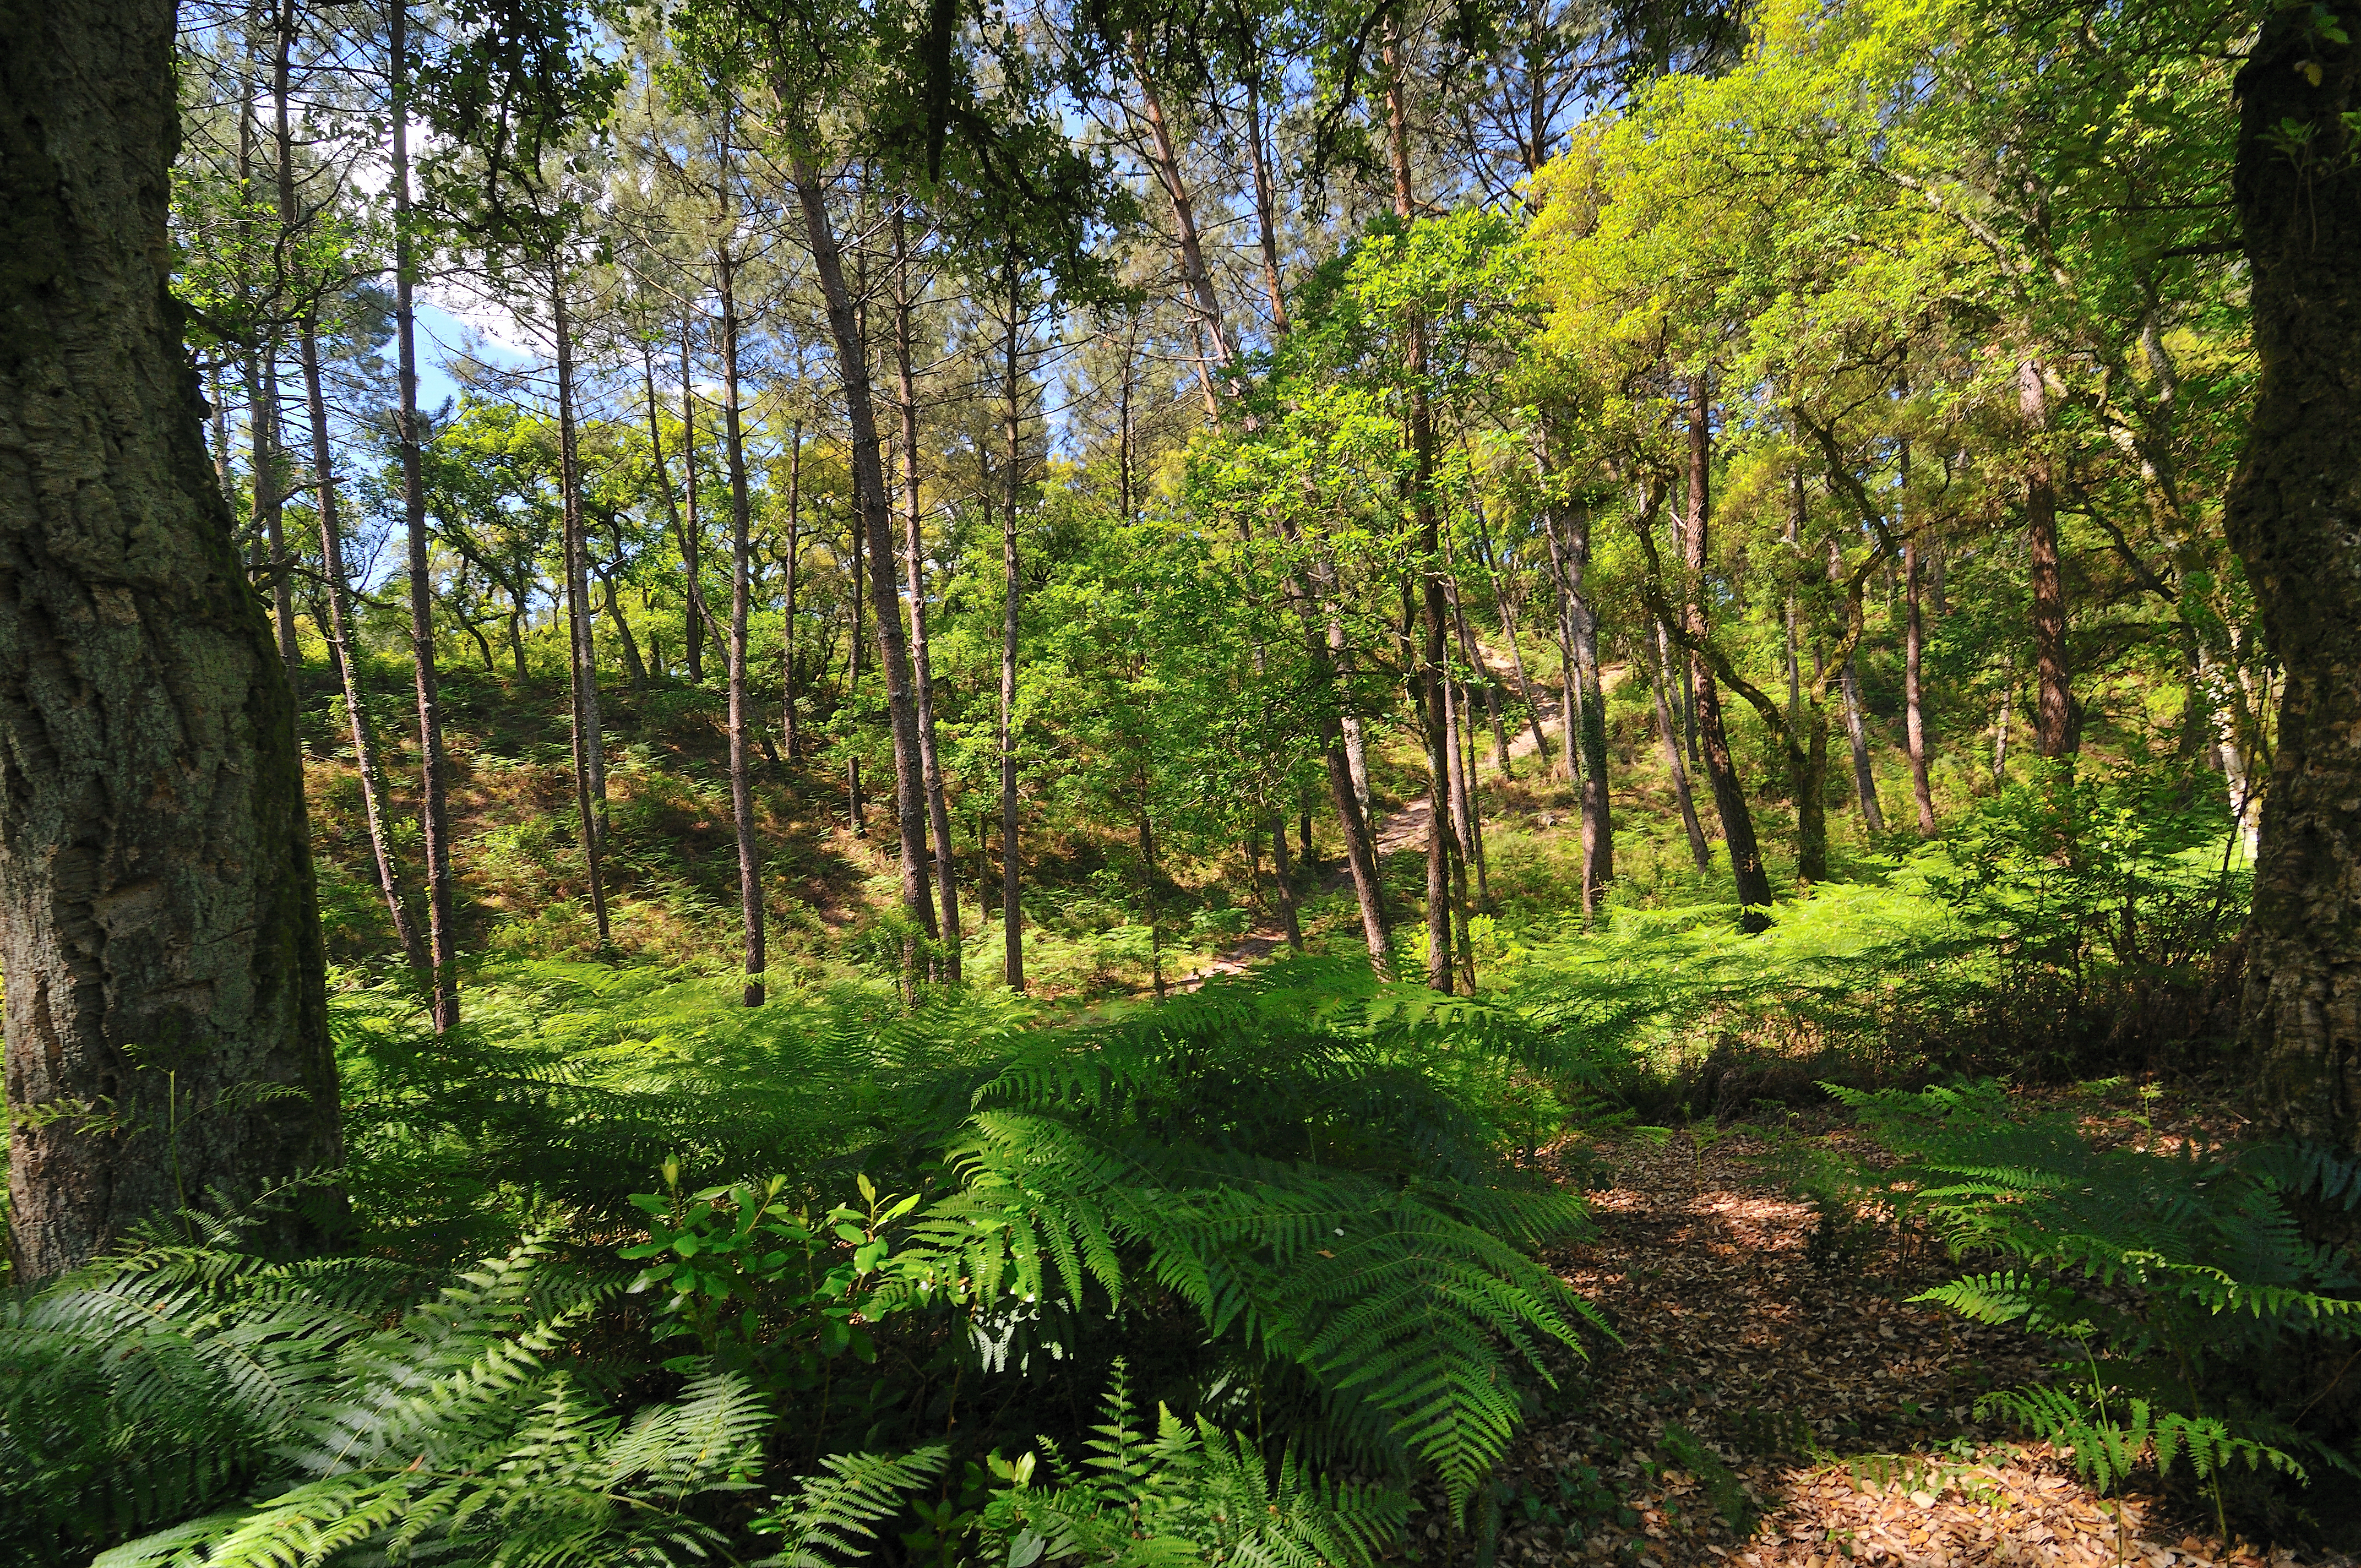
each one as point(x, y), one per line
point(167, 1026)
point(581, 659)
point(876, 524)
point(1914, 698)
point(742, 705)
point(433, 766)
point(2294, 516)
point(938, 814)
point(2054, 722)
point(343, 652)
point(1729, 799)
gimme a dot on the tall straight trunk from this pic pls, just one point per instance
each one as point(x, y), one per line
point(876, 523)
point(1864, 780)
point(1729, 799)
point(1913, 700)
point(1012, 914)
point(1570, 561)
point(166, 996)
point(694, 619)
point(283, 568)
point(938, 814)
point(1282, 875)
point(790, 737)
point(2054, 726)
point(2294, 516)
point(1265, 198)
point(1204, 304)
point(1429, 548)
point(581, 663)
point(1482, 675)
point(1668, 730)
point(343, 652)
point(1325, 649)
point(2000, 732)
point(1471, 805)
point(854, 805)
point(434, 806)
point(1507, 600)
point(742, 705)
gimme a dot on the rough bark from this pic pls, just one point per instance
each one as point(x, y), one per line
point(913, 556)
point(2054, 719)
point(741, 706)
point(876, 524)
point(435, 774)
point(165, 1013)
point(2294, 517)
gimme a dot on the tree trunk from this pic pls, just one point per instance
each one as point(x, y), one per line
point(1668, 729)
point(694, 617)
point(343, 651)
point(282, 580)
point(790, 736)
point(1012, 914)
point(1266, 203)
point(2294, 516)
point(1325, 649)
point(1203, 303)
point(2054, 720)
point(1864, 780)
point(1913, 692)
point(876, 523)
point(581, 663)
point(741, 706)
point(167, 1026)
point(1588, 713)
point(2000, 733)
point(938, 814)
point(635, 669)
point(434, 806)
point(1504, 595)
point(853, 802)
point(1728, 800)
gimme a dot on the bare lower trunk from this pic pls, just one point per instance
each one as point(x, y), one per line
point(1912, 692)
point(2054, 726)
point(343, 652)
point(434, 809)
point(790, 736)
point(1729, 799)
point(1588, 707)
point(1864, 778)
point(582, 663)
point(166, 1001)
point(1667, 729)
point(2000, 734)
point(742, 705)
point(2294, 516)
point(876, 523)
point(939, 813)
point(1012, 914)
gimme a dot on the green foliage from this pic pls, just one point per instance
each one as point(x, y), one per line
point(1191, 1492)
point(2191, 1306)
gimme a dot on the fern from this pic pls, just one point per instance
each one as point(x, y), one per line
point(828, 1517)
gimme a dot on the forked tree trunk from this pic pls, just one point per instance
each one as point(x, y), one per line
point(2294, 516)
point(167, 1013)
point(434, 809)
point(742, 705)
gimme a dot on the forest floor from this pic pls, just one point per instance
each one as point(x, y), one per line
point(1776, 1398)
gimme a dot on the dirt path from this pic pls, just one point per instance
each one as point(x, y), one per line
point(1792, 1388)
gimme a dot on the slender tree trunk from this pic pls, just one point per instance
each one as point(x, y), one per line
point(939, 813)
point(1913, 693)
point(1668, 729)
point(1012, 914)
point(742, 705)
point(853, 802)
point(166, 999)
point(2294, 516)
point(2054, 720)
point(1864, 780)
point(697, 617)
point(1588, 707)
point(282, 579)
point(2000, 733)
point(876, 523)
point(1482, 675)
point(589, 762)
point(790, 737)
point(344, 653)
point(434, 773)
point(1503, 596)
point(1266, 203)
point(1431, 674)
point(1323, 646)
point(1282, 875)
point(1729, 799)
point(1204, 304)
